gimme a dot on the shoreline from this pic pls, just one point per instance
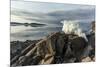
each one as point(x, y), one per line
point(20, 48)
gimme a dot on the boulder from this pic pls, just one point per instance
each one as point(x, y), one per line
point(75, 48)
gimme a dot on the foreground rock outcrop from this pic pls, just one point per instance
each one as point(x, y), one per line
point(54, 49)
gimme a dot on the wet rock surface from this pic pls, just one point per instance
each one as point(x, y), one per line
point(56, 48)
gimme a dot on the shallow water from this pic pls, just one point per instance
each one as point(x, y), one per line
point(23, 33)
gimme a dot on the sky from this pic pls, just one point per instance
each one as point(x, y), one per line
point(45, 7)
point(22, 10)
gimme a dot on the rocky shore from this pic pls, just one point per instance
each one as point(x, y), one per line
point(56, 48)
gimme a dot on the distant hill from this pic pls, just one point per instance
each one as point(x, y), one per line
point(26, 24)
point(15, 23)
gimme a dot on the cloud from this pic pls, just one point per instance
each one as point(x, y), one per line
point(52, 17)
point(75, 14)
point(29, 16)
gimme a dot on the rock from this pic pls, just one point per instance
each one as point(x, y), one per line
point(54, 49)
point(78, 45)
point(93, 26)
point(87, 59)
point(93, 58)
point(61, 44)
point(91, 43)
point(75, 48)
point(36, 60)
point(49, 59)
point(23, 52)
point(16, 52)
point(41, 48)
point(21, 60)
point(13, 60)
point(48, 45)
point(71, 60)
point(31, 52)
